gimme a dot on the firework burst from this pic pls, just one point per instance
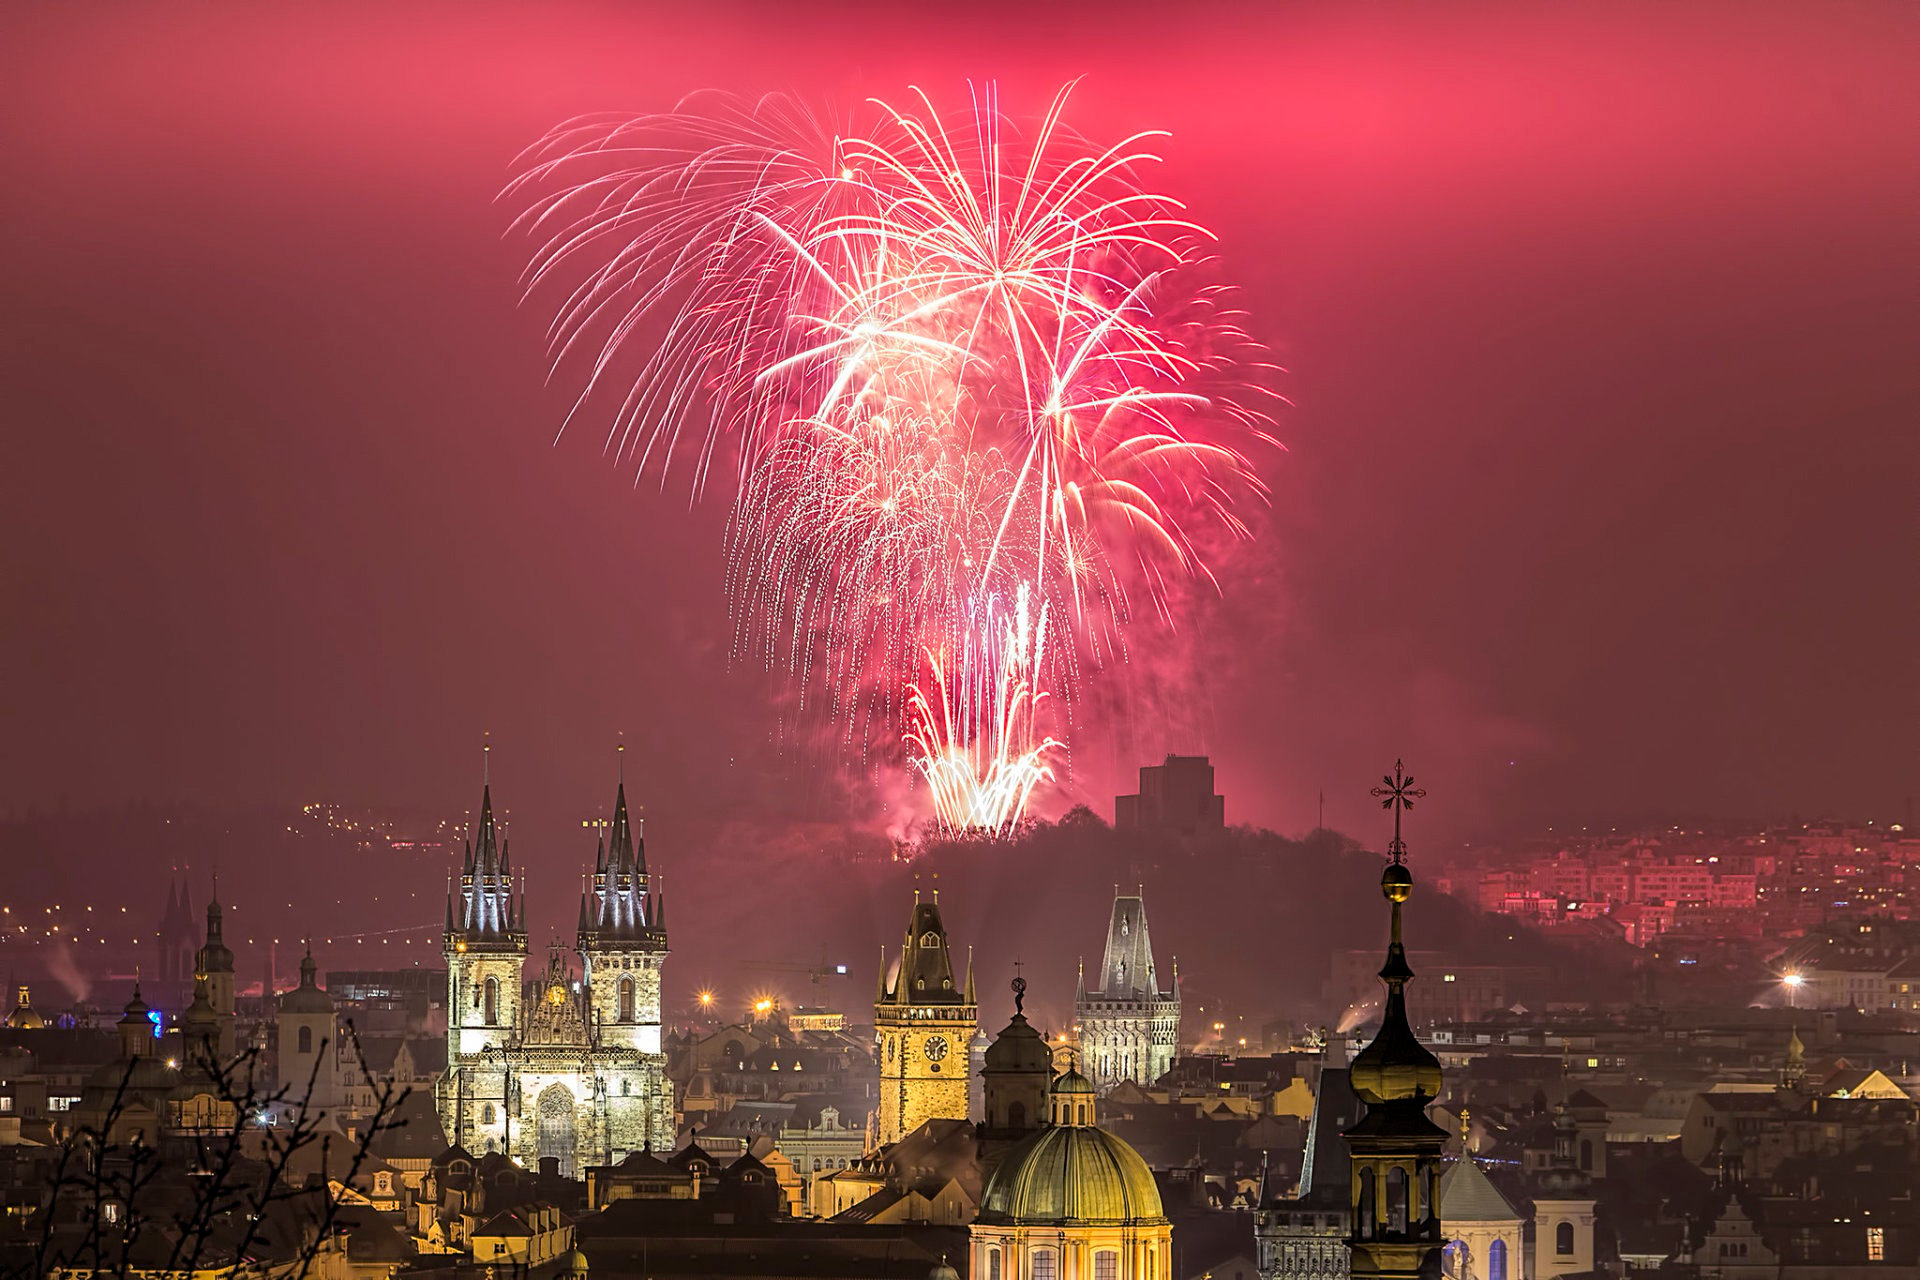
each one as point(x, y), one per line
point(973, 386)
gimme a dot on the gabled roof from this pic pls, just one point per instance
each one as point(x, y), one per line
point(507, 1223)
point(416, 1133)
point(1468, 1195)
point(646, 1164)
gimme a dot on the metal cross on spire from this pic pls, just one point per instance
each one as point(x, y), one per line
point(1397, 793)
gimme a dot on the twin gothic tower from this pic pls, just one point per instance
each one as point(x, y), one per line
point(562, 1066)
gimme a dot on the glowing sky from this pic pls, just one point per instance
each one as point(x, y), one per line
point(1599, 324)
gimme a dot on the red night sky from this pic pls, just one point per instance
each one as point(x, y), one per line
point(1600, 327)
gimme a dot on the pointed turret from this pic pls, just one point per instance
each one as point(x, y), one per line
point(616, 909)
point(1126, 968)
point(1794, 1075)
point(487, 918)
point(924, 974)
point(214, 957)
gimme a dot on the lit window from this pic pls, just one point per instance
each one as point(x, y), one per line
point(1876, 1244)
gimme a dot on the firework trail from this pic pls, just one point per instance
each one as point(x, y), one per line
point(975, 388)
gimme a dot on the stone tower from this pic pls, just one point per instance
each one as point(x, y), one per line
point(1129, 1025)
point(1394, 1147)
point(213, 965)
point(924, 1020)
point(309, 1034)
point(620, 940)
point(486, 948)
point(623, 946)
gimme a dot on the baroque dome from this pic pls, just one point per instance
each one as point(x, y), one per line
point(1072, 1174)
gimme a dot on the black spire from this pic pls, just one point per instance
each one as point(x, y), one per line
point(615, 906)
point(487, 914)
point(1395, 1149)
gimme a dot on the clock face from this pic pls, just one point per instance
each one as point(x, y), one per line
point(936, 1048)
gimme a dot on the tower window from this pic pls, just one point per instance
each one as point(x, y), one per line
point(306, 1040)
point(626, 999)
point(1106, 1265)
point(993, 1264)
point(492, 1001)
point(1563, 1239)
point(486, 1114)
point(1046, 1265)
point(1497, 1260)
point(1397, 1200)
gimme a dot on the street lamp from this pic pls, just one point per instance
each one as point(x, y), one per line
point(1793, 981)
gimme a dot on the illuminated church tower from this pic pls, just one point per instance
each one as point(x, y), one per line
point(1395, 1148)
point(623, 946)
point(485, 946)
point(567, 1067)
point(924, 1021)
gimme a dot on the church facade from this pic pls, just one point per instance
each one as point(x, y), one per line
point(1129, 1026)
point(568, 1065)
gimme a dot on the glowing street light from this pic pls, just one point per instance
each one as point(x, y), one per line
point(1793, 981)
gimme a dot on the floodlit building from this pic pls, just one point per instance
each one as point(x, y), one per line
point(924, 1020)
point(570, 1065)
point(1129, 1025)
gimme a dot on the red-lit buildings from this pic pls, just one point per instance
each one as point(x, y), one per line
point(1774, 883)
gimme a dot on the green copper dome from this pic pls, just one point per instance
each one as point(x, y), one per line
point(1072, 1174)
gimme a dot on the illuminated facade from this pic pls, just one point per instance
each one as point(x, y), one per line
point(1129, 1027)
point(924, 1021)
point(568, 1066)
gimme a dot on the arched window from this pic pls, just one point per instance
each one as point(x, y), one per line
point(1497, 1260)
point(1397, 1200)
point(1046, 1265)
point(993, 1264)
point(1586, 1154)
point(486, 1114)
point(1563, 1239)
point(306, 1040)
point(1367, 1224)
point(626, 1087)
point(1106, 1265)
point(492, 1002)
point(1080, 1113)
point(1453, 1260)
point(626, 999)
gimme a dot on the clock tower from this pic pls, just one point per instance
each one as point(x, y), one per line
point(925, 1021)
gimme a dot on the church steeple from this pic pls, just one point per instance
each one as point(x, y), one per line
point(487, 916)
point(615, 906)
point(1395, 1148)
